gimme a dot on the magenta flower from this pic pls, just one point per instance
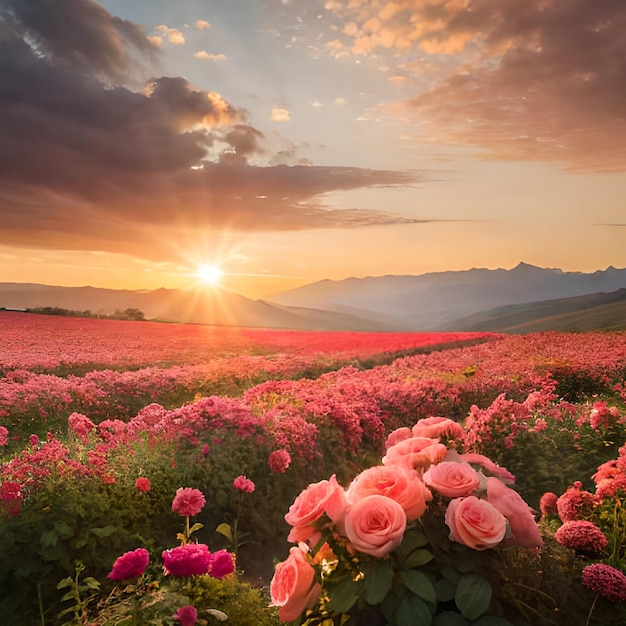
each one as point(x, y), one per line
point(130, 565)
point(188, 501)
point(186, 615)
point(279, 461)
point(33, 440)
point(143, 484)
point(581, 536)
point(4, 436)
point(187, 560)
point(605, 581)
point(243, 484)
point(547, 503)
point(222, 564)
point(11, 496)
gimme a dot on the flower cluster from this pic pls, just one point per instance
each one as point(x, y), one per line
point(606, 581)
point(575, 503)
point(396, 525)
point(583, 537)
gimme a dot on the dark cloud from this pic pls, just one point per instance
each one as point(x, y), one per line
point(86, 162)
point(535, 80)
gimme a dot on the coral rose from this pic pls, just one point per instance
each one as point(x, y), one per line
point(451, 479)
point(293, 587)
point(398, 435)
point(375, 525)
point(188, 501)
point(435, 427)
point(130, 565)
point(326, 496)
point(187, 560)
point(475, 523)
point(416, 452)
point(489, 467)
point(525, 532)
point(397, 482)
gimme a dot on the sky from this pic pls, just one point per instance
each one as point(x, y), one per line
point(290, 141)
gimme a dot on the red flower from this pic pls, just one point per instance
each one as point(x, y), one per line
point(130, 565)
point(222, 564)
point(581, 536)
point(11, 496)
point(143, 484)
point(547, 503)
point(243, 484)
point(575, 503)
point(606, 581)
point(187, 560)
point(279, 461)
point(188, 501)
point(186, 615)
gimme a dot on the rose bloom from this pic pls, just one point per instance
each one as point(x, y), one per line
point(187, 560)
point(435, 427)
point(279, 461)
point(397, 482)
point(475, 523)
point(243, 484)
point(188, 501)
point(186, 615)
point(489, 467)
point(452, 479)
point(130, 565)
point(375, 525)
point(326, 496)
point(221, 564)
point(293, 587)
point(143, 484)
point(582, 536)
point(416, 452)
point(547, 503)
point(398, 435)
point(606, 581)
point(519, 515)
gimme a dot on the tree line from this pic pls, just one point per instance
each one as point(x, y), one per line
point(130, 314)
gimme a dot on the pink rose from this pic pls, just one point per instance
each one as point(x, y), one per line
point(293, 587)
point(451, 479)
point(375, 525)
point(188, 501)
point(187, 560)
point(517, 512)
point(130, 565)
point(475, 523)
point(395, 481)
point(186, 615)
point(435, 427)
point(488, 466)
point(221, 564)
point(243, 484)
point(398, 435)
point(143, 484)
point(416, 452)
point(326, 496)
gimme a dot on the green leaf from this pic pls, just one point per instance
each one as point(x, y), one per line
point(66, 582)
point(492, 620)
point(343, 596)
point(473, 595)
point(64, 530)
point(449, 618)
point(419, 584)
point(412, 610)
point(48, 538)
point(392, 600)
point(105, 531)
point(196, 526)
point(417, 558)
point(91, 583)
point(444, 589)
point(378, 581)
point(412, 540)
point(449, 573)
point(224, 529)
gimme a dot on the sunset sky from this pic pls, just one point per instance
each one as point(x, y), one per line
point(287, 141)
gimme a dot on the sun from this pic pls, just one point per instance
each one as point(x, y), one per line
point(209, 274)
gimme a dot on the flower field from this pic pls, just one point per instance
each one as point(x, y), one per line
point(103, 422)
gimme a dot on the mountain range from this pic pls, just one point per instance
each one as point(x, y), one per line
point(523, 299)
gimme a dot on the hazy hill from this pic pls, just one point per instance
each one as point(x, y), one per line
point(433, 301)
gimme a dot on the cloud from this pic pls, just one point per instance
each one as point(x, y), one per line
point(534, 80)
point(280, 115)
point(89, 164)
point(174, 36)
point(202, 24)
point(203, 54)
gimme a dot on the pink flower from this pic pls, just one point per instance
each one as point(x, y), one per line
point(326, 497)
point(398, 435)
point(582, 536)
point(130, 565)
point(279, 461)
point(186, 615)
point(575, 503)
point(243, 484)
point(475, 523)
point(416, 452)
point(397, 482)
point(435, 427)
point(452, 479)
point(205, 450)
point(188, 501)
point(222, 564)
point(4, 436)
point(143, 484)
point(80, 425)
point(11, 496)
point(489, 467)
point(547, 503)
point(293, 587)
point(519, 515)
point(187, 560)
point(33, 440)
point(375, 525)
point(605, 581)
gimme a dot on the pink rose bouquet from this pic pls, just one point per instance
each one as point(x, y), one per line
point(415, 540)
